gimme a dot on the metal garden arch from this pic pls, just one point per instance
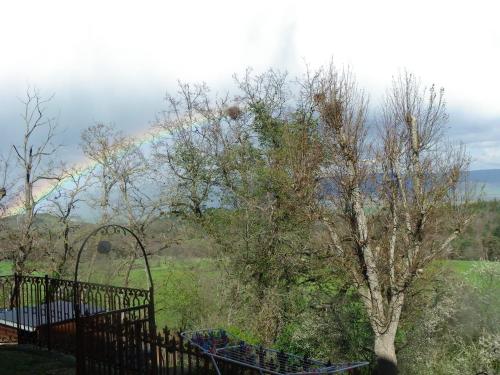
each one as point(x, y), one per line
point(116, 228)
point(105, 247)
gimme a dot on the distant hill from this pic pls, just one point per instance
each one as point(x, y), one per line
point(489, 180)
point(14, 221)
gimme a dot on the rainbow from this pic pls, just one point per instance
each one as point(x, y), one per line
point(47, 187)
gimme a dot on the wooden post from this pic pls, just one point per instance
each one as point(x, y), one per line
point(167, 349)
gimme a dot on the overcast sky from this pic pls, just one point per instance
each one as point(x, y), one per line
point(112, 61)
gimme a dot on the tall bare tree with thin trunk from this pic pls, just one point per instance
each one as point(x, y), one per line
point(135, 204)
point(122, 172)
point(35, 156)
point(188, 150)
point(100, 144)
point(5, 182)
point(64, 200)
point(6, 185)
point(397, 199)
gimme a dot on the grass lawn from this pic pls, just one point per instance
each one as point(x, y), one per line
point(5, 268)
point(179, 284)
point(25, 360)
point(471, 270)
point(183, 285)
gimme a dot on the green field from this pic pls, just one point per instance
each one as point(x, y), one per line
point(471, 271)
point(182, 288)
point(189, 294)
point(5, 268)
point(186, 289)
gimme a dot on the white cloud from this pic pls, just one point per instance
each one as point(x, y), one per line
point(456, 44)
point(137, 40)
point(131, 46)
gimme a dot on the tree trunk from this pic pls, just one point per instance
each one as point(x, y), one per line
point(91, 266)
point(129, 268)
point(386, 352)
point(20, 261)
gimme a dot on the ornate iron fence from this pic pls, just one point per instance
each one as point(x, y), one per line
point(52, 313)
point(110, 330)
point(113, 334)
point(112, 342)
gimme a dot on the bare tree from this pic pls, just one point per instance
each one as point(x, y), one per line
point(5, 181)
point(100, 143)
point(6, 186)
point(396, 202)
point(64, 200)
point(188, 148)
point(35, 156)
point(135, 203)
point(122, 172)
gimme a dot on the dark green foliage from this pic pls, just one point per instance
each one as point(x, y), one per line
point(481, 239)
point(331, 323)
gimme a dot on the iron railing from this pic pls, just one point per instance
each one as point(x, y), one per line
point(110, 330)
point(115, 333)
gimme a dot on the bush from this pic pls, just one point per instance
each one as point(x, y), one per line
point(456, 330)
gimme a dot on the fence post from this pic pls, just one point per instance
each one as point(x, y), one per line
point(119, 337)
point(166, 342)
point(206, 363)
point(152, 330)
point(47, 310)
point(174, 354)
point(16, 302)
point(181, 351)
point(197, 359)
point(80, 344)
point(190, 365)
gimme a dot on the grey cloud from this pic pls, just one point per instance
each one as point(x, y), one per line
point(132, 108)
point(480, 134)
